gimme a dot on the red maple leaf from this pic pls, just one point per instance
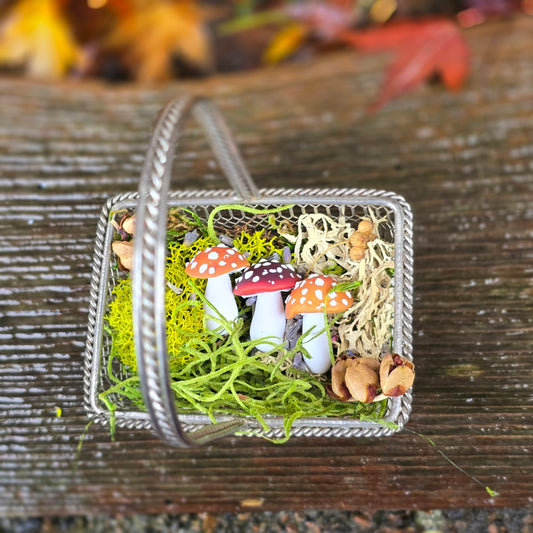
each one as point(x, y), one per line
point(422, 49)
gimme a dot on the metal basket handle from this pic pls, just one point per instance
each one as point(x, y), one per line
point(148, 274)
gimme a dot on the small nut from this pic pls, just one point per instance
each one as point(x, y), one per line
point(362, 380)
point(365, 226)
point(128, 225)
point(358, 239)
point(374, 364)
point(124, 251)
point(396, 375)
point(357, 253)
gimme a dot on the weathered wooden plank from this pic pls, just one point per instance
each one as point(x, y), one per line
point(462, 160)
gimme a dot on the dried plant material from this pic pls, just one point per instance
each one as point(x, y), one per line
point(124, 251)
point(396, 375)
point(128, 225)
point(320, 246)
point(355, 379)
point(362, 380)
point(365, 226)
point(35, 36)
point(157, 36)
point(338, 386)
point(360, 238)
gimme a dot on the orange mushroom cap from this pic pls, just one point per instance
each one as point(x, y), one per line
point(215, 261)
point(312, 294)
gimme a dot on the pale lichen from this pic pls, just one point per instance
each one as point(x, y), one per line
point(321, 245)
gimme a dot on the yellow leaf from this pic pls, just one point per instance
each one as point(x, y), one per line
point(34, 35)
point(382, 10)
point(285, 43)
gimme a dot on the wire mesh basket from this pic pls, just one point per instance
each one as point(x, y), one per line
point(151, 205)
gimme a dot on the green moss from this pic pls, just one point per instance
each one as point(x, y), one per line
point(225, 375)
point(184, 317)
point(257, 246)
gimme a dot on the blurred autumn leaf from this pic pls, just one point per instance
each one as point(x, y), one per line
point(156, 40)
point(36, 37)
point(285, 43)
point(422, 49)
point(153, 39)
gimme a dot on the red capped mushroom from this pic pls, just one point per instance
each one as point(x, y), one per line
point(215, 264)
point(311, 297)
point(266, 279)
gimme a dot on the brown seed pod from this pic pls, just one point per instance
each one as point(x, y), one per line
point(362, 379)
point(396, 375)
point(357, 253)
point(124, 251)
point(365, 226)
point(338, 387)
point(358, 239)
point(128, 225)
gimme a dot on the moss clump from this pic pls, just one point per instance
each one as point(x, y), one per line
point(120, 321)
point(257, 245)
point(184, 316)
point(225, 375)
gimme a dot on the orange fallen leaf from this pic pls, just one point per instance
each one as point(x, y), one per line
point(154, 36)
point(422, 49)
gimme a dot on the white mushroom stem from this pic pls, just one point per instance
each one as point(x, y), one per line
point(316, 342)
point(268, 320)
point(219, 293)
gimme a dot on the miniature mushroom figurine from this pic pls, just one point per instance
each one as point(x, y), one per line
point(266, 279)
point(216, 263)
point(310, 297)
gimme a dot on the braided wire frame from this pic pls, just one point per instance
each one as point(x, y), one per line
point(149, 259)
point(149, 283)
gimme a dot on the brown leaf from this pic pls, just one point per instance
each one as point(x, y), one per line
point(156, 36)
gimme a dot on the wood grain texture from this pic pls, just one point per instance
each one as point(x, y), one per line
point(463, 161)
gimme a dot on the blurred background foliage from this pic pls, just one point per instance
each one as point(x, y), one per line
point(159, 40)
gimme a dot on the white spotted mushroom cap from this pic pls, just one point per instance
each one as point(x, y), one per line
point(312, 294)
point(266, 276)
point(215, 261)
